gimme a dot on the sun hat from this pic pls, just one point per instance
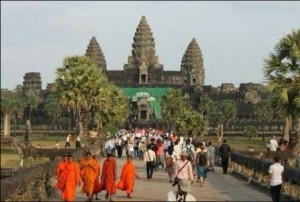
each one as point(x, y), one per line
point(185, 185)
point(184, 153)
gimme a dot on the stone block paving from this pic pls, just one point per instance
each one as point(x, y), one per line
point(219, 187)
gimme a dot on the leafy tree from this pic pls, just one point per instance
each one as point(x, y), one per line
point(53, 109)
point(177, 111)
point(12, 106)
point(206, 106)
point(250, 131)
point(282, 71)
point(82, 87)
point(263, 111)
point(32, 102)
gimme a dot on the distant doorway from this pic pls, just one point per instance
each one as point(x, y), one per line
point(144, 115)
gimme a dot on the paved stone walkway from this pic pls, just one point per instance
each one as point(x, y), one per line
point(219, 187)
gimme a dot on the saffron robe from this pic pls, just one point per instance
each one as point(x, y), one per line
point(108, 176)
point(127, 178)
point(97, 187)
point(89, 173)
point(61, 172)
point(73, 179)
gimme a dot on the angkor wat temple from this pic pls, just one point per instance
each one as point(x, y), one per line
point(145, 81)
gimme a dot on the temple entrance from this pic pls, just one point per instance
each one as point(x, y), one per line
point(143, 78)
point(144, 115)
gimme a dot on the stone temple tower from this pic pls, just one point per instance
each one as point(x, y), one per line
point(94, 51)
point(143, 60)
point(192, 64)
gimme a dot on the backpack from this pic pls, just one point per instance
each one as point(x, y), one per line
point(202, 159)
point(189, 152)
point(169, 161)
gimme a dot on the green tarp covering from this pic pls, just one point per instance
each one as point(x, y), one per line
point(137, 93)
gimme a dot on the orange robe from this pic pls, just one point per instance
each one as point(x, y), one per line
point(73, 178)
point(108, 176)
point(97, 188)
point(61, 172)
point(89, 173)
point(127, 178)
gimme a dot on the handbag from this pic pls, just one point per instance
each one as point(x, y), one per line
point(152, 164)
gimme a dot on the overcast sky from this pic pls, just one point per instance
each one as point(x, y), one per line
point(234, 37)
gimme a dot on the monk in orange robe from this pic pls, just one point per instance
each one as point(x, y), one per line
point(73, 179)
point(89, 173)
point(127, 177)
point(108, 177)
point(61, 173)
point(97, 187)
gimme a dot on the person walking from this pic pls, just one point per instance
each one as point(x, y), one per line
point(149, 161)
point(171, 158)
point(109, 176)
point(225, 153)
point(127, 177)
point(77, 142)
point(275, 175)
point(72, 180)
point(119, 146)
point(202, 165)
point(97, 187)
point(89, 173)
point(183, 169)
point(211, 155)
point(273, 144)
point(61, 173)
point(68, 141)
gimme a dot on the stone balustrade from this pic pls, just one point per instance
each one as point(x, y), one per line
point(255, 171)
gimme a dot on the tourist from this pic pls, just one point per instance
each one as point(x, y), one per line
point(97, 187)
point(159, 154)
point(171, 158)
point(109, 144)
point(127, 177)
point(189, 149)
point(136, 147)
point(273, 144)
point(149, 161)
point(89, 173)
point(183, 192)
point(109, 176)
point(183, 169)
point(177, 148)
point(77, 142)
point(211, 156)
point(142, 149)
point(73, 179)
point(68, 141)
point(224, 153)
point(202, 165)
point(119, 146)
point(275, 174)
point(61, 172)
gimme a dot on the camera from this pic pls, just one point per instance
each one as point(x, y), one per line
point(175, 181)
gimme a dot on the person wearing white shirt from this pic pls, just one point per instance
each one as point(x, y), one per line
point(177, 149)
point(149, 156)
point(183, 192)
point(275, 174)
point(273, 144)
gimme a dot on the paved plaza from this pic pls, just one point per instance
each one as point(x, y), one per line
point(219, 187)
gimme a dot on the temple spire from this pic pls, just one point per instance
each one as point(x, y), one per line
point(143, 47)
point(192, 64)
point(94, 51)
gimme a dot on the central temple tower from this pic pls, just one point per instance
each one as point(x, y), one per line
point(143, 60)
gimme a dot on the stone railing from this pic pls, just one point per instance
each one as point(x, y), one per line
point(36, 183)
point(255, 171)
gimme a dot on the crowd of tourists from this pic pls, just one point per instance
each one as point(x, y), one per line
point(184, 161)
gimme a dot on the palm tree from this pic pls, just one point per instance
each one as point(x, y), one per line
point(282, 71)
point(32, 102)
point(263, 111)
point(78, 86)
